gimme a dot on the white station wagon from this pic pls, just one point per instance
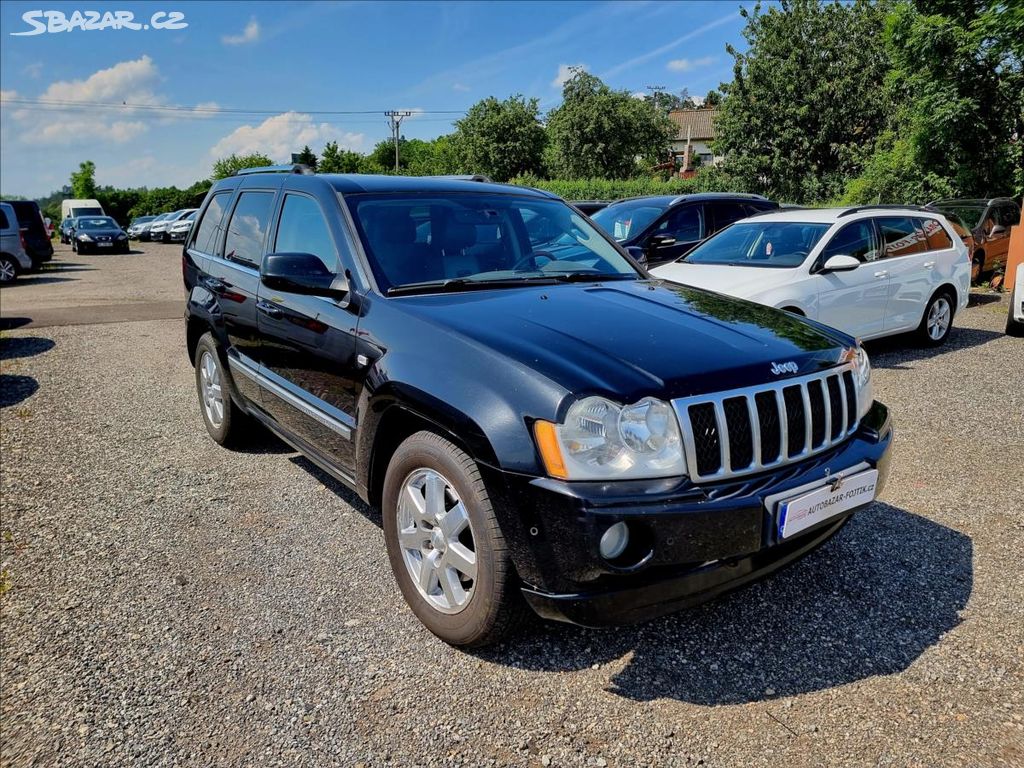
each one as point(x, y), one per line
point(870, 271)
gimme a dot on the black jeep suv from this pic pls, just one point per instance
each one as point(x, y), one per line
point(540, 421)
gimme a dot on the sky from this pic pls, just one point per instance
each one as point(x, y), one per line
point(272, 77)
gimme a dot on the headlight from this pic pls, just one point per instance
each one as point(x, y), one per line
point(85, 238)
point(602, 440)
point(862, 380)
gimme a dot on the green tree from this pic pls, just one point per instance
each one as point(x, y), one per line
point(335, 160)
point(308, 157)
point(713, 99)
point(227, 166)
point(501, 138)
point(955, 85)
point(599, 132)
point(805, 98)
point(665, 102)
point(83, 181)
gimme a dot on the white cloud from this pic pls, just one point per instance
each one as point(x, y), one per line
point(460, 87)
point(4, 95)
point(565, 73)
point(638, 95)
point(250, 34)
point(33, 70)
point(280, 135)
point(127, 81)
point(688, 65)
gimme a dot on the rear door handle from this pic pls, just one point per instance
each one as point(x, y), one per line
point(882, 273)
point(269, 310)
point(929, 264)
point(216, 285)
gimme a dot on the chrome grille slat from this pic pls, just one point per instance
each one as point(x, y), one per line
point(713, 439)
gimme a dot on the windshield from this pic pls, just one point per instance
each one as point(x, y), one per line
point(622, 220)
point(469, 238)
point(101, 222)
point(86, 212)
point(143, 219)
point(971, 214)
point(760, 244)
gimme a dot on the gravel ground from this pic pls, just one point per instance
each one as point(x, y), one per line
point(173, 603)
point(151, 273)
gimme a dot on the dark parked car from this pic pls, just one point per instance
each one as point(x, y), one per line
point(37, 238)
point(664, 227)
point(540, 422)
point(989, 221)
point(66, 228)
point(590, 207)
point(98, 234)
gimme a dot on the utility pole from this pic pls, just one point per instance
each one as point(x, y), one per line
point(395, 118)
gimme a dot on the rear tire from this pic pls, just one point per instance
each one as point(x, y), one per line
point(8, 269)
point(224, 420)
point(937, 321)
point(446, 549)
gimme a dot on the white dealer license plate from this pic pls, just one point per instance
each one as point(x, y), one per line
point(809, 508)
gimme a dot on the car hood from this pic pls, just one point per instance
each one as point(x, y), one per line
point(735, 281)
point(100, 232)
point(630, 339)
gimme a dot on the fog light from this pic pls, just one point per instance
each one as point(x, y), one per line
point(614, 541)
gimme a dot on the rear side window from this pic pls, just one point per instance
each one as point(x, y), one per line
point(1008, 215)
point(303, 229)
point(935, 235)
point(209, 226)
point(856, 239)
point(900, 236)
point(247, 228)
point(3, 220)
point(725, 214)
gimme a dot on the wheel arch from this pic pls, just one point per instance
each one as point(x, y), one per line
point(390, 421)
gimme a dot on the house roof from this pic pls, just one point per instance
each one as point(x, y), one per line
point(700, 122)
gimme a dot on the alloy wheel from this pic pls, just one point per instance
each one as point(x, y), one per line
point(435, 537)
point(213, 395)
point(7, 271)
point(938, 318)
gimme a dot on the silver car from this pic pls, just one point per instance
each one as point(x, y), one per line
point(13, 259)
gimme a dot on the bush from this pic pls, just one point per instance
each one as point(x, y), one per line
point(708, 179)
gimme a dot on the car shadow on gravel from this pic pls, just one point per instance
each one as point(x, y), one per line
point(25, 346)
point(894, 352)
point(340, 490)
point(14, 389)
point(873, 599)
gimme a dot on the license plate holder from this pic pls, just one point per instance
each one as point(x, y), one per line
point(840, 494)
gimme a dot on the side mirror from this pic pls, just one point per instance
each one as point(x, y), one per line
point(840, 263)
point(637, 253)
point(302, 273)
point(660, 241)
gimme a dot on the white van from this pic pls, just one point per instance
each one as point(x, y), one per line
point(72, 209)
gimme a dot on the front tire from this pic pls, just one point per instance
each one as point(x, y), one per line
point(446, 549)
point(224, 420)
point(937, 321)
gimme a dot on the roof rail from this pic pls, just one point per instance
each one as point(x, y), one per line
point(780, 209)
point(880, 206)
point(305, 170)
point(462, 177)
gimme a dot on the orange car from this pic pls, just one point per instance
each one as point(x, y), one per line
point(989, 221)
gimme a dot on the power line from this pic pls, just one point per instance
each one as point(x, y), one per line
point(206, 109)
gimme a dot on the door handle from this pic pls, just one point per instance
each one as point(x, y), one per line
point(269, 310)
point(882, 273)
point(216, 285)
point(929, 264)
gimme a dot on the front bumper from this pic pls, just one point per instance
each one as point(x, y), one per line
point(178, 237)
point(694, 542)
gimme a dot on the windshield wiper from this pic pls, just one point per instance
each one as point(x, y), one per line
point(469, 284)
